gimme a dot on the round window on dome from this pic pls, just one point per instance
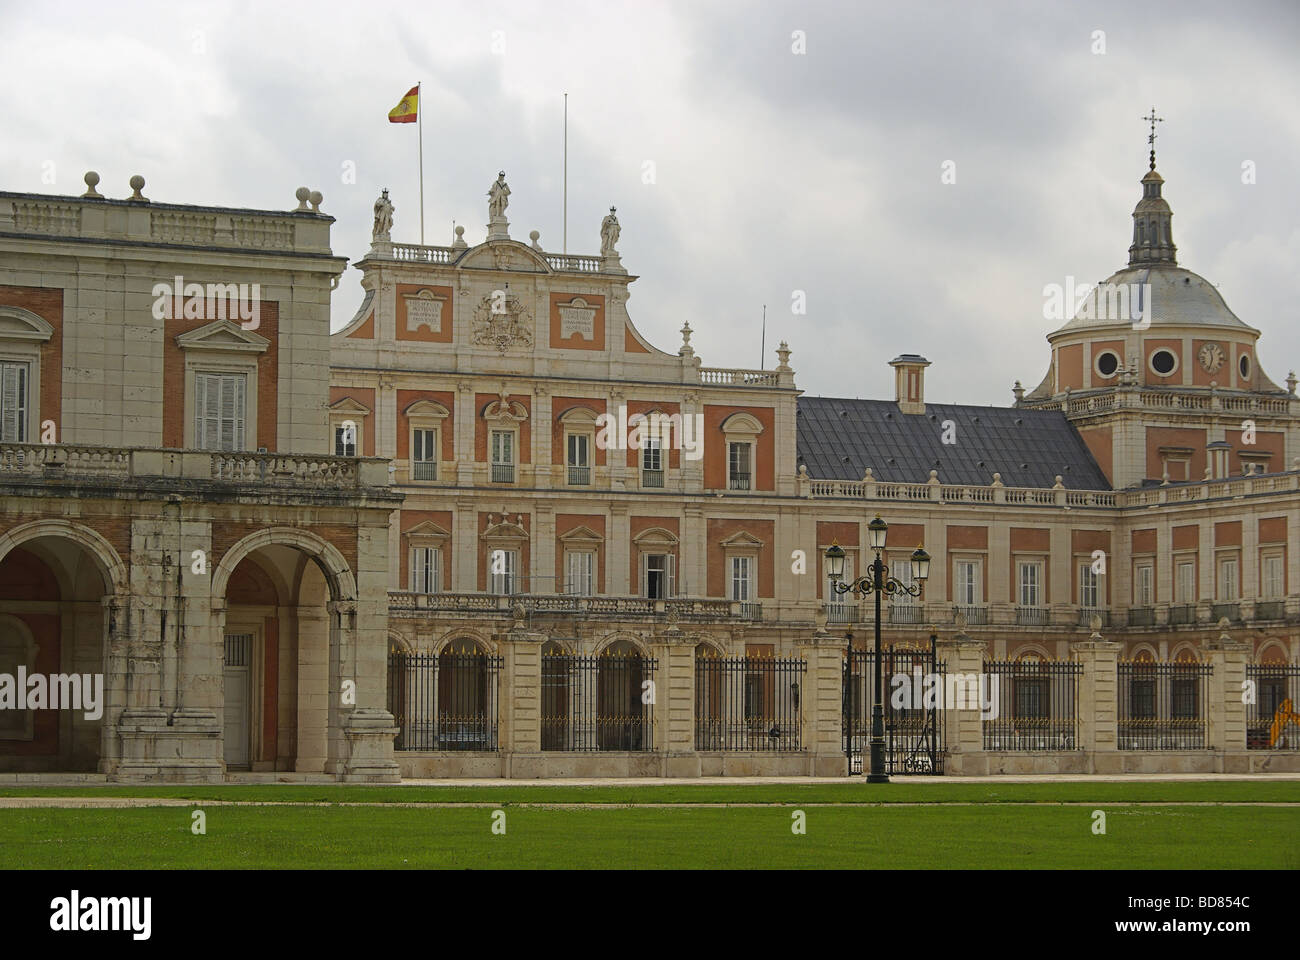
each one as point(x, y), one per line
point(1163, 362)
point(1243, 366)
point(1107, 364)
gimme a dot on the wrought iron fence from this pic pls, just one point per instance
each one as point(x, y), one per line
point(748, 703)
point(445, 701)
point(1273, 720)
point(579, 476)
point(905, 613)
point(1162, 705)
point(424, 469)
point(1036, 705)
point(914, 739)
point(597, 703)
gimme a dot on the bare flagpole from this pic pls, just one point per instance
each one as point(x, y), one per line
point(419, 122)
point(566, 173)
point(763, 343)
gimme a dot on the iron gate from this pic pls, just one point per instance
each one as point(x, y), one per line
point(913, 734)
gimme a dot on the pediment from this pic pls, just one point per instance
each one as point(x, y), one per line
point(349, 405)
point(429, 409)
point(655, 535)
point(427, 530)
point(742, 423)
point(19, 324)
point(581, 535)
point(504, 531)
point(578, 416)
point(505, 255)
point(742, 539)
point(224, 335)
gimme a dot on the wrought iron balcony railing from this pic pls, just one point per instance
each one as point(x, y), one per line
point(579, 476)
point(503, 473)
point(652, 478)
point(424, 470)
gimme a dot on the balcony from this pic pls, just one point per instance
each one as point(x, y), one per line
point(579, 476)
point(652, 478)
point(1230, 610)
point(408, 604)
point(1182, 613)
point(841, 612)
point(1087, 613)
point(905, 612)
point(1142, 617)
point(424, 470)
point(974, 614)
point(738, 481)
point(1270, 610)
point(1031, 616)
point(503, 473)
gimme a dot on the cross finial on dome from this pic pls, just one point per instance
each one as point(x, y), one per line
point(1151, 137)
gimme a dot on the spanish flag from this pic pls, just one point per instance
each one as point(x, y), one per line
point(406, 111)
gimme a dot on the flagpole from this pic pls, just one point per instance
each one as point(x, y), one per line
point(419, 122)
point(566, 173)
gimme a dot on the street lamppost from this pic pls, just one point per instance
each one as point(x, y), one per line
point(878, 583)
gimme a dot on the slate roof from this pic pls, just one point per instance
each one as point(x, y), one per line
point(838, 439)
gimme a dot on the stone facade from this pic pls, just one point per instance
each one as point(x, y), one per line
point(450, 475)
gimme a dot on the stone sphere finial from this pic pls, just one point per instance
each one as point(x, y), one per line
point(92, 180)
point(315, 199)
point(303, 195)
point(535, 236)
point(137, 184)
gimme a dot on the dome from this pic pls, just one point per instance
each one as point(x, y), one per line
point(1178, 297)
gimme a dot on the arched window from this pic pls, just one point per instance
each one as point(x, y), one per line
point(622, 718)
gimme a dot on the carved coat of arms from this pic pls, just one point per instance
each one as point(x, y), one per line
point(502, 320)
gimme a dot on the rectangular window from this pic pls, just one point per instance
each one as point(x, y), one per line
point(219, 411)
point(1228, 580)
point(967, 585)
point(1087, 586)
point(1031, 584)
point(13, 402)
point(658, 572)
point(503, 456)
point(738, 466)
point(426, 570)
point(1185, 585)
point(652, 462)
point(1143, 585)
point(1273, 587)
point(503, 566)
point(424, 456)
point(345, 440)
point(580, 573)
point(742, 579)
point(578, 458)
point(901, 570)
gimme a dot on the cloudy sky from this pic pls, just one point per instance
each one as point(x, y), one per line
point(743, 171)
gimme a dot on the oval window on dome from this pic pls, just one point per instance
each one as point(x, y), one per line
point(1107, 363)
point(1163, 362)
point(1243, 366)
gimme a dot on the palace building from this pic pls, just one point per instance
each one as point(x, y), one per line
point(489, 529)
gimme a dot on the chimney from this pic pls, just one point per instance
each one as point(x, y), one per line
point(909, 382)
point(1217, 453)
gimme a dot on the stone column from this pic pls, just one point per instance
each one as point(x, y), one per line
point(674, 705)
point(521, 702)
point(1225, 707)
point(360, 733)
point(541, 446)
point(823, 704)
point(1098, 705)
point(963, 660)
point(466, 417)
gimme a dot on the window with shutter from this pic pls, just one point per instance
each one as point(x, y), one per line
point(1186, 582)
point(424, 459)
point(581, 573)
point(1228, 580)
point(426, 572)
point(13, 402)
point(1087, 586)
point(219, 411)
point(741, 578)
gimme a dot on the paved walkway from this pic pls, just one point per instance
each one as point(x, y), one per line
point(99, 779)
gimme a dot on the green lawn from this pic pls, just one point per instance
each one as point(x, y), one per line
point(992, 836)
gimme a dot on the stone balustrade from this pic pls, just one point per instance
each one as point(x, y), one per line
point(120, 464)
point(1052, 496)
point(738, 377)
point(406, 603)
